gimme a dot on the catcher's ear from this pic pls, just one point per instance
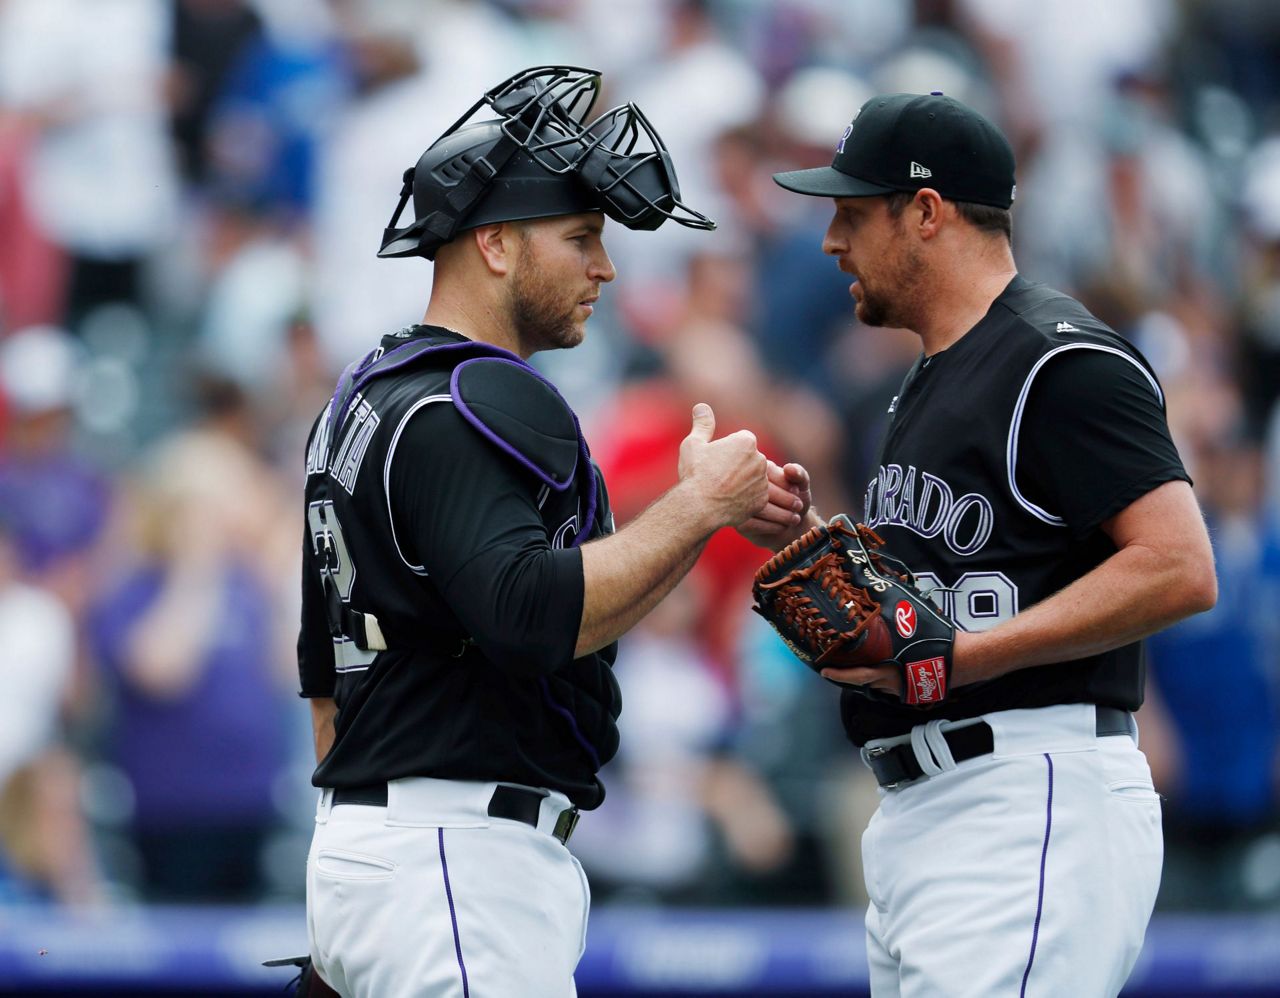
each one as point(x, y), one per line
point(495, 242)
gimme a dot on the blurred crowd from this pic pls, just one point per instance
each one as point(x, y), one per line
point(191, 196)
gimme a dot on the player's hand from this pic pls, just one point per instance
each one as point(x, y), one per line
point(785, 516)
point(729, 474)
point(885, 678)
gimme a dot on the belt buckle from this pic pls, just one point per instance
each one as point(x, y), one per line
point(876, 753)
point(565, 824)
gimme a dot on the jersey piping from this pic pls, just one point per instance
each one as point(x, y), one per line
point(1011, 452)
point(386, 476)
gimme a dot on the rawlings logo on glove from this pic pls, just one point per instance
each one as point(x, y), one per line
point(838, 601)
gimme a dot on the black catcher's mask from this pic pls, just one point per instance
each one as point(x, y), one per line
point(538, 159)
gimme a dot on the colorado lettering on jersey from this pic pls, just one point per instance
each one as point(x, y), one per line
point(345, 465)
point(926, 505)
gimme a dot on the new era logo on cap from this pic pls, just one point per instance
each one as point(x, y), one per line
point(1066, 327)
point(920, 171)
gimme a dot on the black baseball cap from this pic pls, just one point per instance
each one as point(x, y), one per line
point(903, 142)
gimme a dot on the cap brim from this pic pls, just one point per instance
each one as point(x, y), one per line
point(828, 182)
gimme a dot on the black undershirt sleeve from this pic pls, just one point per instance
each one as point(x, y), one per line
point(468, 514)
point(316, 675)
point(1093, 439)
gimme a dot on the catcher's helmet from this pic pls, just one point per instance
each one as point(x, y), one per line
point(538, 159)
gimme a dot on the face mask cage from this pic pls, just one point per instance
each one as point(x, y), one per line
point(543, 109)
point(639, 188)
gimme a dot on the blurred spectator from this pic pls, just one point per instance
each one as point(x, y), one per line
point(397, 104)
point(206, 38)
point(701, 88)
point(1054, 62)
point(101, 178)
point(803, 301)
point(1240, 40)
point(1216, 676)
point(56, 502)
point(789, 733)
point(45, 851)
point(271, 111)
point(191, 649)
point(32, 268)
point(1260, 299)
point(257, 290)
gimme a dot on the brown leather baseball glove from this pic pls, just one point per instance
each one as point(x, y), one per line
point(839, 601)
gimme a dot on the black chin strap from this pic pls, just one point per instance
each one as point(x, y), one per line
point(444, 224)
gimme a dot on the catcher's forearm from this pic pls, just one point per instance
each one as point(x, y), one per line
point(628, 573)
point(323, 712)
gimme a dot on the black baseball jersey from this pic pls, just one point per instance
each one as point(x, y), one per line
point(444, 520)
point(1003, 457)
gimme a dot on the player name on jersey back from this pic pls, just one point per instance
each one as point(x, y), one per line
point(345, 463)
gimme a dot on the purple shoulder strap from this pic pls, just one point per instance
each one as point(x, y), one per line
point(377, 363)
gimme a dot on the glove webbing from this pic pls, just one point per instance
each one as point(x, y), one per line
point(798, 609)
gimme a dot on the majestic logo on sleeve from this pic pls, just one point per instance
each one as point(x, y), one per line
point(928, 506)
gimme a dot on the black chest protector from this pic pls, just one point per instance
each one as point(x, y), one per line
point(416, 696)
point(508, 403)
point(947, 501)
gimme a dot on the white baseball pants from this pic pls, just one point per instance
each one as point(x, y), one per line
point(429, 897)
point(1031, 871)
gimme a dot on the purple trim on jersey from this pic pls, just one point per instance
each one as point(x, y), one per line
point(453, 917)
point(1044, 853)
point(337, 391)
point(564, 712)
point(364, 371)
point(584, 456)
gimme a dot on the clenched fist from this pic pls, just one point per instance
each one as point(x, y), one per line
point(728, 475)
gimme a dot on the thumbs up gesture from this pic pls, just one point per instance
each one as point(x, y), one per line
point(728, 475)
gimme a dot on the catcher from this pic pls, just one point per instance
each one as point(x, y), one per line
point(1029, 523)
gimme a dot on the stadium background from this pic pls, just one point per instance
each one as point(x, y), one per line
point(191, 195)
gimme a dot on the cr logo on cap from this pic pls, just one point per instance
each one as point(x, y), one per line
point(840, 145)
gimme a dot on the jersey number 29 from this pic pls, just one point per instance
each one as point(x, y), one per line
point(978, 600)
